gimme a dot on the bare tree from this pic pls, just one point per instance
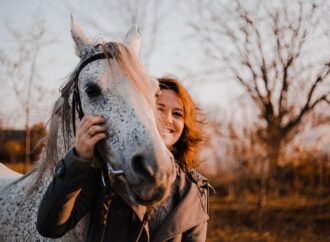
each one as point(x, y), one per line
point(279, 53)
point(19, 68)
point(148, 15)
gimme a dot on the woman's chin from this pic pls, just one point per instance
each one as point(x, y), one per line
point(168, 141)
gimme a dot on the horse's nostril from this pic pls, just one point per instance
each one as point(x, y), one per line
point(141, 167)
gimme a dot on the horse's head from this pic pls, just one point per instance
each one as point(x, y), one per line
point(111, 82)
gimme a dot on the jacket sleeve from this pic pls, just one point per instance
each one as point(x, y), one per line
point(196, 234)
point(68, 198)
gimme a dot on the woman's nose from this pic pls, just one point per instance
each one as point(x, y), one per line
point(168, 118)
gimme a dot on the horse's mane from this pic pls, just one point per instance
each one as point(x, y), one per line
point(61, 116)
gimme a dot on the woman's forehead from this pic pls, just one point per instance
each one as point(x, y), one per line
point(169, 98)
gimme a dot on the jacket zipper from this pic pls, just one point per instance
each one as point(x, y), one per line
point(105, 217)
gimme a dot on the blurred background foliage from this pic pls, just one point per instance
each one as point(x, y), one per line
point(268, 148)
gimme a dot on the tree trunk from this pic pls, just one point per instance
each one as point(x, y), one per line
point(27, 149)
point(27, 141)
point(262, 188)
point(274, 149)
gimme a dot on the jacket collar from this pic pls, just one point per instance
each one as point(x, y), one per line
point(191, 211)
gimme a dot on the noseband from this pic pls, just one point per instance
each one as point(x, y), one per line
point(112, 53)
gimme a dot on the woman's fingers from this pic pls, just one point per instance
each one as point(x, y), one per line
point(91, 130)
point(92, 120)
point(82, 121)
point(95, 129)
point(96, 138)
point(88, 121)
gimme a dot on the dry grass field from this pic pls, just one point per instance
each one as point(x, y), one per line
point(286, 219)
point(290, 218)
point(18, 167)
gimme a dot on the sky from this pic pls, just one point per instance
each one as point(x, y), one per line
point(176, 53)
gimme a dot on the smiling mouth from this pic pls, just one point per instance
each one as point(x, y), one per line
point(169, 130)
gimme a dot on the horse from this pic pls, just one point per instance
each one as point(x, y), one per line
point(7, 175)
point(108, 81)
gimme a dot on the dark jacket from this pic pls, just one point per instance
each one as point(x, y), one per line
point(77, 189)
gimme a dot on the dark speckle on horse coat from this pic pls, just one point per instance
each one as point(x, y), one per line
point(18, 212)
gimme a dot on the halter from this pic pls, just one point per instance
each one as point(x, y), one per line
point(76, 106)
point(107, 170)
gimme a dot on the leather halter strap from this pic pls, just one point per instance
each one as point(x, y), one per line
point(76, 101)
point(107, 169)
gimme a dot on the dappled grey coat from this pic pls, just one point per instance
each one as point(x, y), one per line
point(77, 189)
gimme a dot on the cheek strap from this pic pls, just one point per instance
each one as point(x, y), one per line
point(76, 101)
point(107, 170)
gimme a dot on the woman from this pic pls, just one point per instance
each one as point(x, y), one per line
point(181, 217)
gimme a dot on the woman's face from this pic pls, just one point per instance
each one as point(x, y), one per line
point(171, 111)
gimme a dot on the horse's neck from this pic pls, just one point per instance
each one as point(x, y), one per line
point(20, 203)
point(46, 166)
point(61, 149)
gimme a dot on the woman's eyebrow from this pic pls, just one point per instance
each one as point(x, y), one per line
point(175, 109)
point(178, 109)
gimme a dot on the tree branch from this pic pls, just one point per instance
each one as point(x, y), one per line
point(308, 105)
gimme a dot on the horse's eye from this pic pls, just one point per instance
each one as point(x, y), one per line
point(92, 90)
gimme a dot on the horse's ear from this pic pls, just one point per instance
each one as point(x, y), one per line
point(83, 43)
point(133, 40)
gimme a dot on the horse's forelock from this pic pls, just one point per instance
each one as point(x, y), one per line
point(131, 66)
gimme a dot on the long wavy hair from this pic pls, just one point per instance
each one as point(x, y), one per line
point(186, 148)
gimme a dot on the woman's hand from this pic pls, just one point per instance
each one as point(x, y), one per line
point(90, 130)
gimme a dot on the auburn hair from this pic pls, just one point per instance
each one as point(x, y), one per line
point(186, 148)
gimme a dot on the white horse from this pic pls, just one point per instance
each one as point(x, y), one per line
point(7, 175)
point(111, 82)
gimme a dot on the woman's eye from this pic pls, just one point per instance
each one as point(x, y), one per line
point(160, 109)
point(177, 114)
point(93, 91)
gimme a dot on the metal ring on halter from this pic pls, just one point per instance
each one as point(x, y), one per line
point(112, 171)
